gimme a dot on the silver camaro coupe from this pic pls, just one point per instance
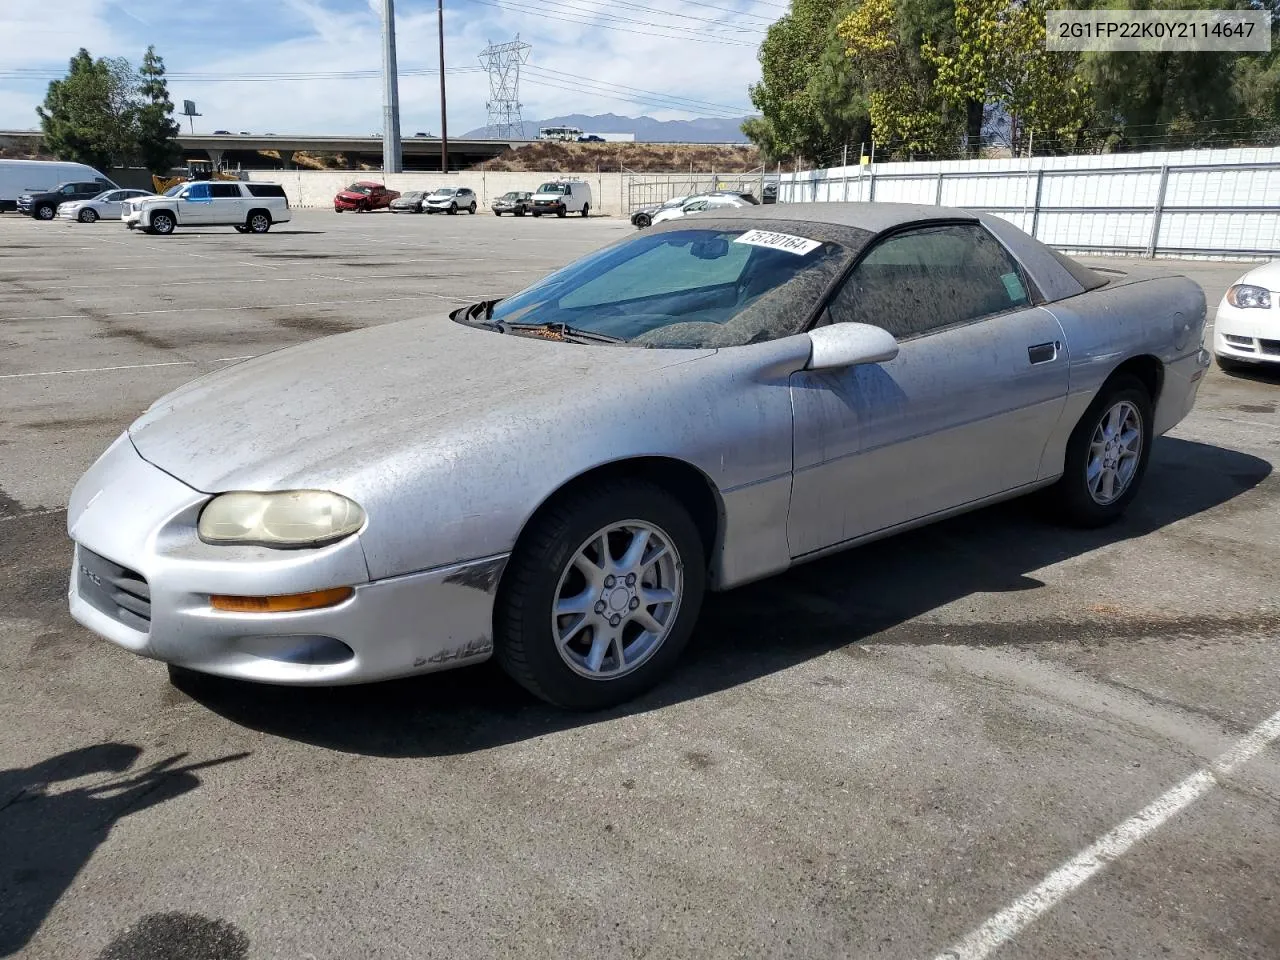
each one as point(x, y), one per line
point(556, 478)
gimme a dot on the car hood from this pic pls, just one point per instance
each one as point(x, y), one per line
point(317, 414)
point(352, 195)
point(442, 196)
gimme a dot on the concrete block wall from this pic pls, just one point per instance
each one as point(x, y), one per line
point(316, 188)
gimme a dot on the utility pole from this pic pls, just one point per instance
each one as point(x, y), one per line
point(444, 123)
point(390, 92)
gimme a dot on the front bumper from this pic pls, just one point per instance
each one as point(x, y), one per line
point(141, 578)
point(24, 205)
point(441, 206)
point(1249, 335)
point(548, 207)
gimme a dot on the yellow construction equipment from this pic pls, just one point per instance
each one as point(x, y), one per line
point(196, 170)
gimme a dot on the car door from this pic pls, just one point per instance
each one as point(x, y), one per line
point(961, 414)
point(195, 205)
point(228, 206)
point(109, 206)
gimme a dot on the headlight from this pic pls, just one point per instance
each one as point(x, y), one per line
point(1245, 295)
point(290, 518)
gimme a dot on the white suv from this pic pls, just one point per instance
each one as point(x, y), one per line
point(249, 207)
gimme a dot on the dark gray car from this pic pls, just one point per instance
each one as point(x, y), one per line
point(518, 202)
point(410, 202)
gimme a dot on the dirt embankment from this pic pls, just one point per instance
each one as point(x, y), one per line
point(555, 156)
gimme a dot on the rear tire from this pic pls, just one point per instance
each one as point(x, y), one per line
point(519, 213)
point(550, 655)
point(644, 220)
point(88, 215)
point(162, 223)
point(241, 228)
point(472, 209)
point(1113, 437)
point(259, 222)
point(586, 208)
point(536, 214)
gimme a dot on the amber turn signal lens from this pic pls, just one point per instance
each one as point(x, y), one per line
point(287, 603)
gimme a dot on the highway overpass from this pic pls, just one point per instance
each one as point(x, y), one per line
point(243, 150)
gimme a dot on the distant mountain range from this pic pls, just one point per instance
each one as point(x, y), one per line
point(646, 129)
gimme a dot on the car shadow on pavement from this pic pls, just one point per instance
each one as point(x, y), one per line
point(876, 591)
point(48, 834)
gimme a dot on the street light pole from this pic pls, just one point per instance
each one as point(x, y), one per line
point(390, 92)
point(444, 123)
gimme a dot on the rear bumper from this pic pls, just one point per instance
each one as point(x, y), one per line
point(1182, 379)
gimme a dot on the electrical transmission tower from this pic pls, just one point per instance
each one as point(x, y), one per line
point(503, 61)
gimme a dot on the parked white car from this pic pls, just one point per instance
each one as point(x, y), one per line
point(1246, 330)
point(562, 197)
point(714, 201)
point(247, 206)
point(450, 200)
point(108, 205)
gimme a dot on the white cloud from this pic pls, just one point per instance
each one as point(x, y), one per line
point(249, 37)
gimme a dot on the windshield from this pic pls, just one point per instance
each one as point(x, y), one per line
point(173, 191)
point(511, 196)
point(445, 192)
point(412, 195)
point(359, 188)
point(551, 188)
point(722, 284)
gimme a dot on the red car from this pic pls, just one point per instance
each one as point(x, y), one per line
point(364, 195)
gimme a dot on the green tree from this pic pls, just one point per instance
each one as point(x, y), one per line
point(908, 116)
point(1152, 100)
point(90, 115)
point(999, 59)
point(157, 147)
point(809, 96)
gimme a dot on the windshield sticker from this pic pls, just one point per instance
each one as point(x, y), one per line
point(800, 246)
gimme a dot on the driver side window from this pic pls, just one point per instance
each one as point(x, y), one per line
point(928, 278)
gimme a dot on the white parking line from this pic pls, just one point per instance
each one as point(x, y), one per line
point(1073, 874)
point(127, 366)
point(270, 306)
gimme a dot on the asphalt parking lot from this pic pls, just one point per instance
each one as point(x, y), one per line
point(884, 754)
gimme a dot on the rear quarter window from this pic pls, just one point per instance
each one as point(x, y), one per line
point(265, 189)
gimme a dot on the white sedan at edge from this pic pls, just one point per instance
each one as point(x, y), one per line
point(105, 206)
point(1246, 330)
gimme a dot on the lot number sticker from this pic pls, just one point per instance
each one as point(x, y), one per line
point(800, 246)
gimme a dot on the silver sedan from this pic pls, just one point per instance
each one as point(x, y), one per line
point(556, 478)
point(105, 206)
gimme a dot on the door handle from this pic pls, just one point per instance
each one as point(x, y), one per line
point(1043, 352)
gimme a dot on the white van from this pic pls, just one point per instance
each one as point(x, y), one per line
point(35, 176)
point(562, 197)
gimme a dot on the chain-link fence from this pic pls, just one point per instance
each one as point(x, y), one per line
point(652, 189)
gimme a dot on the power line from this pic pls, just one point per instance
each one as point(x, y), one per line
point(700, 104)
point(543, 14)
point(625, 98)
point(718, 22)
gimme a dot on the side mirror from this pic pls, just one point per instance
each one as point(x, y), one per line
point(848, 345)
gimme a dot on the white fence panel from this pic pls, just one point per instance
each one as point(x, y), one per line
point(1212, 203)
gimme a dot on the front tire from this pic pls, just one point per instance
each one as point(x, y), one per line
point(88, 215)
point(162, 223)
point(45, 212)
point(601, 596)
point(453, 209)
point(562, 213)
point(1107, 454)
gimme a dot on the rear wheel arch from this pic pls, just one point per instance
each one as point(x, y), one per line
point(1146, 368)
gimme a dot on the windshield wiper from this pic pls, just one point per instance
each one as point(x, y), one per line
point(563, 330)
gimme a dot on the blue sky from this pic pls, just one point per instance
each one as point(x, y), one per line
point(670, 59)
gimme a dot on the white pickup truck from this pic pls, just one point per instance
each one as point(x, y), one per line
point(247, 206)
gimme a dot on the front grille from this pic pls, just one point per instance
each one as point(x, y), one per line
point(117, 591)
point(1270, 347)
